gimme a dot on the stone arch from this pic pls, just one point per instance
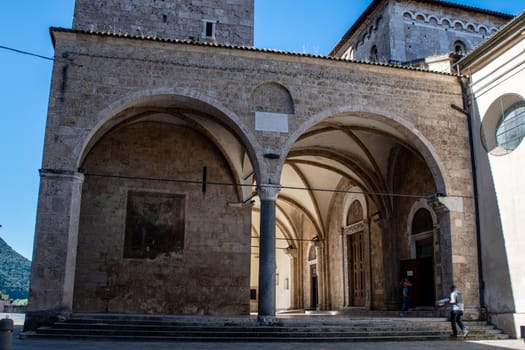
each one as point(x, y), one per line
point(433, 20)
point(420, 17)
point(370, 31)
point(459, 25)
point(471, 27)
point(412, 134)
point(483, 30)
point(408, 15)
point(355, 194)
point(116, 113)
point(374, 56)
point(421, 204)
point(272, 97)
point(138, 148)
point(430, 277)
point(356, 247)
point(446, 22)
point(459, 48)
point(378, 21)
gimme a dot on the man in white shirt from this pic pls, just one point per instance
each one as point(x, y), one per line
point(456, 312)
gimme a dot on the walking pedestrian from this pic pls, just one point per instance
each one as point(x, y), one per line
point(456, 310)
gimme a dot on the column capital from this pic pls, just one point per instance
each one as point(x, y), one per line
point(268, 192)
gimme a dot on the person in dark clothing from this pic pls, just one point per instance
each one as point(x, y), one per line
point(405, 295)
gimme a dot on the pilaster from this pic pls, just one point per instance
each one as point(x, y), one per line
point(53, 268)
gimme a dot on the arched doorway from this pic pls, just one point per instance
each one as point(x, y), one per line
point(356, 253)
point(423, 241)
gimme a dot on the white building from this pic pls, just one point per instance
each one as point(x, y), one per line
point(496, 73)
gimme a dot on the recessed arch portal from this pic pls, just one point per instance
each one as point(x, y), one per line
point(423, 241)
point(152, 166)
point(341, 160)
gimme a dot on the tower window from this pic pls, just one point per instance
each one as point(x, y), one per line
point(208, 29)
point(373, 54)
point(460, 48)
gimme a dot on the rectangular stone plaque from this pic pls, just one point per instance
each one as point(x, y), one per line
point(277, 122)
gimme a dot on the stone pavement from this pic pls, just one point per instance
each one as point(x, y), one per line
point(51, 344)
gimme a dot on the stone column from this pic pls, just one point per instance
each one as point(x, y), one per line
point(55, 247)
point(268, 195)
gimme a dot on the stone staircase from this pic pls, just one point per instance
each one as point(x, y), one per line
point(248, 329)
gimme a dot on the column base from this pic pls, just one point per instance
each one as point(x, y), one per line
point(36, 319)
point(267, 320)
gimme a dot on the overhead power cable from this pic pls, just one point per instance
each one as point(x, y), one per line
point(27, 53)
point(231, 184)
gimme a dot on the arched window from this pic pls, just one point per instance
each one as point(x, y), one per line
point(355, 213)
point(460, 48)
point(312, 253)
point(373, 54)
point(511, 128)
point(422, 222)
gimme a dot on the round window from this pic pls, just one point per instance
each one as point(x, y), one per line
point(511, 128)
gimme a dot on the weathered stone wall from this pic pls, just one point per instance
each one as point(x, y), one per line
point(411, 177)
point(431, 29)
point(211, 273)
point(169, 19)
point(413, 30)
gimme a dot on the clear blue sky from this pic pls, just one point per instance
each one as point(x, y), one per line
point(311, 26)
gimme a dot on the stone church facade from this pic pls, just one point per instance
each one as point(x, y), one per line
point(187, 172)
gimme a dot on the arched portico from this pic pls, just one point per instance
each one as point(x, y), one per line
point(131, 158)
point(351, 155)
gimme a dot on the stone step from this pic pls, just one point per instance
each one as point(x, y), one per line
point(258, 333)
point(225, 329)
point(244, 339)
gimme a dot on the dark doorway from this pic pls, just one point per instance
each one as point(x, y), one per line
point(314, 300)
point(425, 258)
point(420, 272)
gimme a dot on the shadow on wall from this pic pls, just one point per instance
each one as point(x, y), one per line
point(497, 288)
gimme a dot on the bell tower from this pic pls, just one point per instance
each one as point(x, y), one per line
point(218, 21)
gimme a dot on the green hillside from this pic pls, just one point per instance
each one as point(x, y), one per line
point(14, 272)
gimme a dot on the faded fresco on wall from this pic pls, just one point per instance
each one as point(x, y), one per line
point(154, 225)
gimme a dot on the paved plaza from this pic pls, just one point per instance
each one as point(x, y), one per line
point(50, 344)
